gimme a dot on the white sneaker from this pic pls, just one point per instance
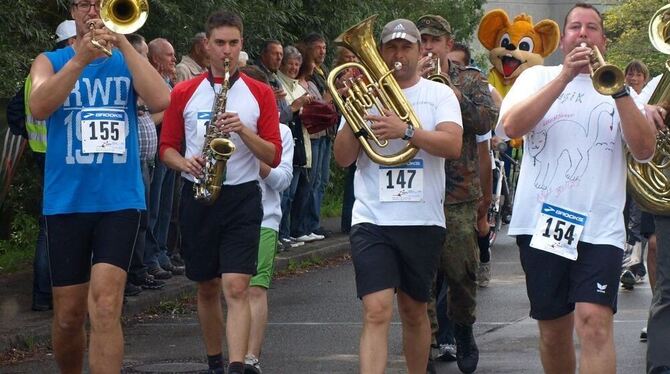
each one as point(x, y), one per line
point(310, 237)
point(251, 364)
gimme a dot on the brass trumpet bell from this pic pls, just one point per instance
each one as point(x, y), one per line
point(124, 16)
point(607, 78)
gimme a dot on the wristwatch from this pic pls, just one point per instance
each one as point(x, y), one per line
point(409, 133)
point(625, 91)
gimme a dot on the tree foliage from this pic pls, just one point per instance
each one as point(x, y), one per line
point(627, 28)
point(29, 25)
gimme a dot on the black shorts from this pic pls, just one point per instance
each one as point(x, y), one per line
point(79, 240)
point(398, 257)
point(222, 237)
point(554, 283)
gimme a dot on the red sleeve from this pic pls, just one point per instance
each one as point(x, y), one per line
point(172, 129)
point(268, 121)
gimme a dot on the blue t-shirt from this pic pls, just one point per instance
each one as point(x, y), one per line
point(101, 107)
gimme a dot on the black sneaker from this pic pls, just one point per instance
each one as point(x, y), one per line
point(159, 273)
point(131, 290)
point(628, 280)
point(151, 283)
point(643, 335)
point(446, 352)
point(467, 353)
point(175, 270)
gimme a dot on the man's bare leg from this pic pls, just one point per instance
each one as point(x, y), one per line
point(415, 332)
point(258, 301)
point(68, 333)
point(595, 327)
point(236, 292)
point(557, 349)
point(377, 313)
point(210, 315)
point(105, 302)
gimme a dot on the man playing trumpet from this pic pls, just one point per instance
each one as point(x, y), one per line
point(568, 217)
point(89, 103)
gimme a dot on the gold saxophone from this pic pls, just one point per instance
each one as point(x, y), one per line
point(217, 148)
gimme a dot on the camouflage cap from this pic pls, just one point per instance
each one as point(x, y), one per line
point(433, 25)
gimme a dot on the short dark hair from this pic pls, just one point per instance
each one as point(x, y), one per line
point(584, 6)
point(135, 39)
point(637, 66)
point(267, 43)
point(223, 18)
point(313, 37)
point(458, 46)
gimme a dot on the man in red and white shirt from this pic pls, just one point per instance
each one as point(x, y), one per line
point(220, 241)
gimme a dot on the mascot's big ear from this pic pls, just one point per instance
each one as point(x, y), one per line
point(490, 25)
point(550, 34)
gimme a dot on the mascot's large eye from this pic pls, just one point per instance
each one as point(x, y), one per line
point(505, 40)
point(526, 44)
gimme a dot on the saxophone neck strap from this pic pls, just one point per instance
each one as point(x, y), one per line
point(214, 80)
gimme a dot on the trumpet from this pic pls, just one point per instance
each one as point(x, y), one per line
point(607, 78)
point(435, 73)
point(121, 16)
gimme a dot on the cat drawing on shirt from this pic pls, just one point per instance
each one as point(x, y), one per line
point(576, 151)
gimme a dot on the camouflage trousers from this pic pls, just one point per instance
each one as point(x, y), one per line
point(458, 265)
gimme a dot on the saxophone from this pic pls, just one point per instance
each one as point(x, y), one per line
point(216, 150)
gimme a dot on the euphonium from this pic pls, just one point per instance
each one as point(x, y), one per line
point(375, 87)
point(607, 78)
point(121, 16)
point(435, 74)
point(216, 149)
point(649, 182)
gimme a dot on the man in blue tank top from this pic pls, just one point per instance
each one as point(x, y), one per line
point(93, 190)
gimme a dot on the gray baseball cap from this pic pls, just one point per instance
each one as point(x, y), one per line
point(400, 29)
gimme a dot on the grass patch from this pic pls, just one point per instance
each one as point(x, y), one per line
point(184, 304)
point(17, 252)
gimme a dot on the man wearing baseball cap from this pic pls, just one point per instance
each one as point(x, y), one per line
point(66, 32)
point(397, 220)
point(459, 259)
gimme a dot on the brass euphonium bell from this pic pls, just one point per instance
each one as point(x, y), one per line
point(375, 87)
point(649, 182)
point(122, 16)
point(607, 78)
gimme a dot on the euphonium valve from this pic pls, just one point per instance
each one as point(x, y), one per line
point(374, 88)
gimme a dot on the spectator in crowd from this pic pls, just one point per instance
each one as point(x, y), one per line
point(636, 75)
point(269, 62)
point(138, 276)
point(162, 57)
point(293, 75)
point(244, 58)
point(195, 62)
point(315, 50)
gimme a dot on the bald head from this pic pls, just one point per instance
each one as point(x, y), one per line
point(162, 57)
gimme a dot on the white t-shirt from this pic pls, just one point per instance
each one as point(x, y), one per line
point(433, 103)
point(649, 89)
point(573, 158)
point(277, 181)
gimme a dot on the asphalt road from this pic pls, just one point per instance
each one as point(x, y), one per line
point(314, 328)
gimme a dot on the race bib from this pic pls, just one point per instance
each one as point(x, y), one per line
point(103, 130)
point(558, 231)
point(401, 183)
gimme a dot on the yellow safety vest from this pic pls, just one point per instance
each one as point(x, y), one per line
point(37, 130)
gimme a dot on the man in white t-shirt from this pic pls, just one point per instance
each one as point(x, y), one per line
point(570, 196)
point(397, 220)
